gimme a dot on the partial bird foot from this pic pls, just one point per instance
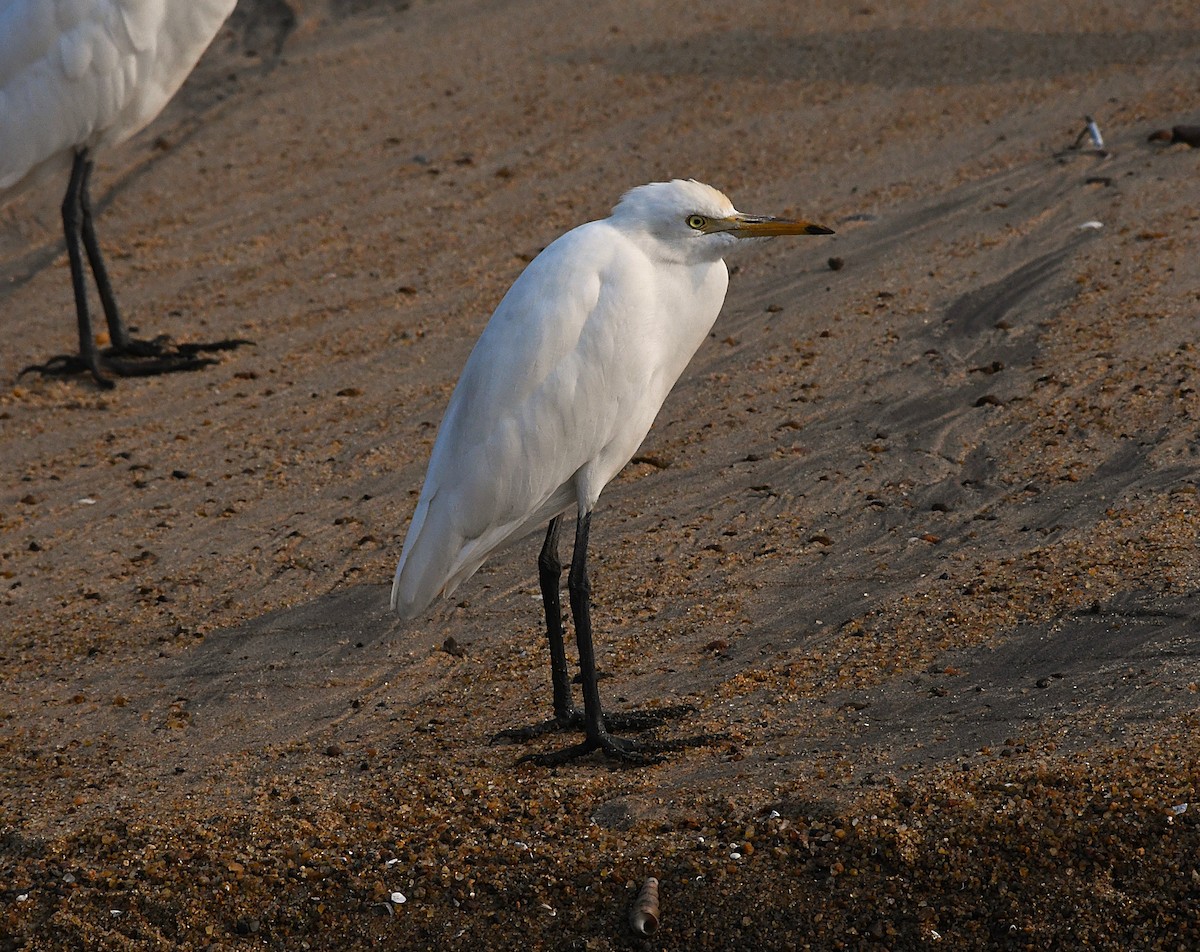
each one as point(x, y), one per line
point(573, 720)
point(636, 753)
point(142, 358)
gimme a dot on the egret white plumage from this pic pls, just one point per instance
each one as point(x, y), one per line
point(76, 78)
point(559, 392)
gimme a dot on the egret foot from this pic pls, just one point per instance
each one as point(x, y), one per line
point(141, 358)
point(574, 720)
point(636, 753)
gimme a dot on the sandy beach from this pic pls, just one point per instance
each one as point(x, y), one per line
point(916, 532)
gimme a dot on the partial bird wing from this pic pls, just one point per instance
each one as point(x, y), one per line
point(66, 72)
point(90, 74)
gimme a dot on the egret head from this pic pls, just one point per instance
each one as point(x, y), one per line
point(696, 221)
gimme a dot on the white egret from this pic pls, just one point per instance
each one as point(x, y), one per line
point(75, 78)
point(556, 397)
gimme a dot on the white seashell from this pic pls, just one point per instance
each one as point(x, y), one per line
point(643, 916)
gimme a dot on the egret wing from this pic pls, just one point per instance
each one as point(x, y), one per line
point(90, 74)
point(535, 402)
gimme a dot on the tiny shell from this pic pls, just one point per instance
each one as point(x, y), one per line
point(643, 915)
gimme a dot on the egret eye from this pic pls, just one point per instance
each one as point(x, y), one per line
point(696, 221)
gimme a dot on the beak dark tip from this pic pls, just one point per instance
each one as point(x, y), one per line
point(819, 230)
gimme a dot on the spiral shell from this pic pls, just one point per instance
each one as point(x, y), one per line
point(643, 915)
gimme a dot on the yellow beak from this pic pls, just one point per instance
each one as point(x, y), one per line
point(753, 226)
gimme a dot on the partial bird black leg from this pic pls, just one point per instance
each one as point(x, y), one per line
point(80, 235)
point(73, 217)
point(566, 714)
point(118, 336)
point(595, 728)
point(549, 578)
point(579, 587)
point(126, 356)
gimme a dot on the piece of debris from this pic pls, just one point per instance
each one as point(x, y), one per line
point(1090, 131)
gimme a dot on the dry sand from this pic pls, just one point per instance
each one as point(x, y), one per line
point(918, 534)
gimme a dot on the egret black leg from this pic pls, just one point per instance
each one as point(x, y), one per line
point(116, 327)
point(597, 737)
point(550, 578)
point(579, 588)
point(566, 715)
point(126, 356)
point(74, 217)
